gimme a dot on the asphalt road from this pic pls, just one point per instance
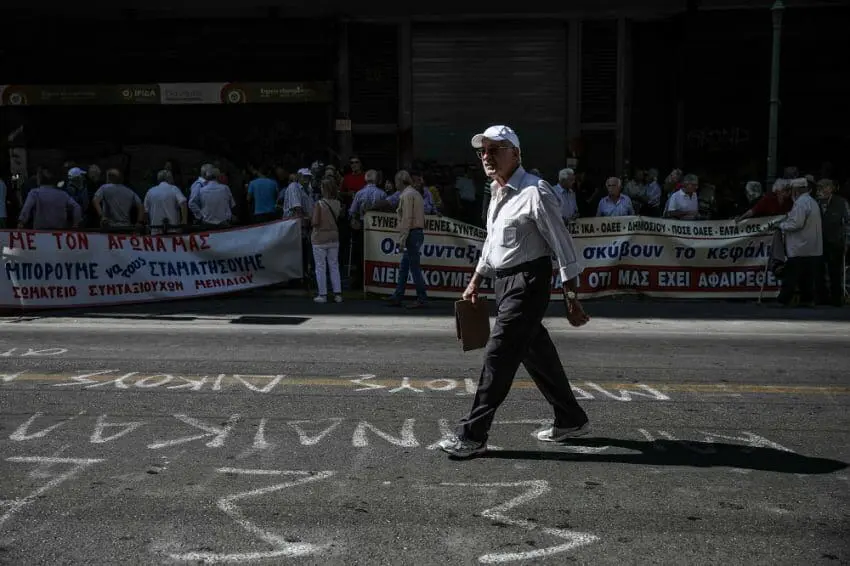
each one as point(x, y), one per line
point(269, 431)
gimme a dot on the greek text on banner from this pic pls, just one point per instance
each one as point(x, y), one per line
point(67, 269)
point(622, 255)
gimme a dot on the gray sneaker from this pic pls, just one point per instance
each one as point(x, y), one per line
point(555, 434)
point(462, 449)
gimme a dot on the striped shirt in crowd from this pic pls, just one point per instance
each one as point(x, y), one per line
point(364, 200)
point(295, 196)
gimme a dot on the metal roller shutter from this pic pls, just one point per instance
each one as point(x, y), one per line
point(599, 71)
point(467, 77)
point(373, 68)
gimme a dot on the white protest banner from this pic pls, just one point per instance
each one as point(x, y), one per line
point(622, 255)
point(69, 269)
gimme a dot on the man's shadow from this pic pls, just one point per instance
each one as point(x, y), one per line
point(679, 453)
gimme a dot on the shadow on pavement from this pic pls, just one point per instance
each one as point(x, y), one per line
point(268, 303)
point(279, 320)
point(683, 453)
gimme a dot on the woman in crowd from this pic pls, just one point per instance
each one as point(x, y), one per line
point(325, 241)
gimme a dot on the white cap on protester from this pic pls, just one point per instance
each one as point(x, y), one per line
point(76, 172)
point(496, 133)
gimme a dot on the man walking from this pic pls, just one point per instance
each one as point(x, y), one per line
point(524, 229)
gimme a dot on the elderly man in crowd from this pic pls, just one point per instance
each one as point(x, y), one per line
point(202, 179)
point(774, 203)
point(366, 199)
point(616, 203)
point(166, 206)
point(651, 195)
point(566, 194)
point(684, 203)
point(391, 202)
point(48, 207)
point(76, 186)
point(212, 202)
point(836, 234)
point(114, 203)
point(803, 245)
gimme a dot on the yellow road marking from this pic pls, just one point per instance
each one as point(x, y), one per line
point(419, 383)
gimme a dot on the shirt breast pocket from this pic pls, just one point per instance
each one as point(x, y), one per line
point(510, 235)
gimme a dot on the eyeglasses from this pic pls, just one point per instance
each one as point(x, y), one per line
point(490, 150)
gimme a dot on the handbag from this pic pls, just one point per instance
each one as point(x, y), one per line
point(328, 206)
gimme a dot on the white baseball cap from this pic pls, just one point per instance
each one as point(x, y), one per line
point(496, 133)
point(76, 172)
point(305, 172)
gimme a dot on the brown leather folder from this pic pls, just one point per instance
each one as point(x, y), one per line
point(472, 321)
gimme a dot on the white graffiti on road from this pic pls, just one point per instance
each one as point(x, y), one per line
point(534, 489)
point(45, 462)
point(119, 380)
point(281, 547)
point(466, 386)
point(22, 433)
point(218, 434)
point(272, 433)
point(18, 352)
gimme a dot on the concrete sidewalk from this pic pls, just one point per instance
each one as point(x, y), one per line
point(265, 302)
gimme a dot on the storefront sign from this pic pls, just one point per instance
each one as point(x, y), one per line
point(167, 93)
point(77, 95)
point(69, 269)
point(623, 255)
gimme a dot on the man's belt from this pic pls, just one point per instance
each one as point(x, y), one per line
point(538, 264)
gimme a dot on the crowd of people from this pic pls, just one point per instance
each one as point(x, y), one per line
point(331, 203)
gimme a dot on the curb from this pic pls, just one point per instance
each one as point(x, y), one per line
point(304, 293)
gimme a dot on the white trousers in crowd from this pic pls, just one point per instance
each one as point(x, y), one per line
point(326, 256)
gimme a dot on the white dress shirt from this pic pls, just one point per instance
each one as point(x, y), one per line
point(622, 207)
point(802, 227)
point(680, 201)
point(526, 225)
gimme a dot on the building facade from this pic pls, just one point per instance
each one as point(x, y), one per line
point(612, 85)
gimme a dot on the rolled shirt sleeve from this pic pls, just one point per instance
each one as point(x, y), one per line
point(795, 220)
point(484, 269)
point(547, 215)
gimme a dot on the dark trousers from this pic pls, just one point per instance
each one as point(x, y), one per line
point(832, 265)
point(356, 241)
point(307, 255)
point(518, 337)
point(799, 273)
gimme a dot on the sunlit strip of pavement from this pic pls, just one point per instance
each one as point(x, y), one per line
point(424, 325)
point(66, 379)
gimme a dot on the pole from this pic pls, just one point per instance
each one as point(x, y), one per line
point(777, 11)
